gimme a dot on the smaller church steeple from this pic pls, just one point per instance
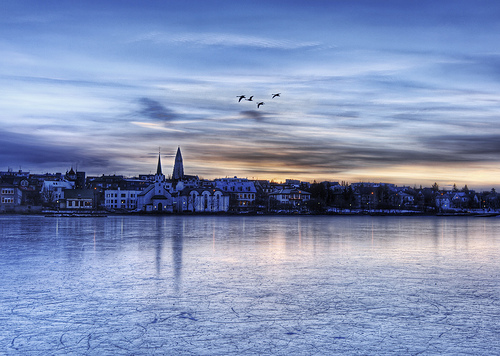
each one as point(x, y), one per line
point(158, 169)
point(159, 177)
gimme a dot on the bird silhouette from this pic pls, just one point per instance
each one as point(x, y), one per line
point(240, 97)
point(250, 98)
point(275, 95)
point(259, 104)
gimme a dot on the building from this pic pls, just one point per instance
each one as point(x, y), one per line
point(242, 191)
point(293, 183)
point(121, 199)
point(106, 182)
point(79, 199)
point(291, 197)
point(178, 172)
point(53, 190)
point(77, 177)
point(157, 197)
point(10, 197)
point(404, 200)
point(206, 200)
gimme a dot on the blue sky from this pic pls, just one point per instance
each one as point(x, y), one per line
point(404, 92)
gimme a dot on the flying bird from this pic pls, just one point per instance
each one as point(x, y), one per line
point(240, 97)
point(250, 98)
point(275, 95)
point(259, 104)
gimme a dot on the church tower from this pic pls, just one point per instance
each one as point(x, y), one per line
point(159, 177)
point(178, 166)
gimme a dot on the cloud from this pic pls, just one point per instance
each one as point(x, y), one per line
point(154, 110)
point(252, 114)
point(25, 149)
point(225, 40)
point(468, 148)
point(154, 126)
point(272, 153)
point(468, 66)
point(68, 82)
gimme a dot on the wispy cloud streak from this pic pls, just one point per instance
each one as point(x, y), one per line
point(224, 40)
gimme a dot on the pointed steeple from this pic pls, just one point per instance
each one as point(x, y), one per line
point(178, 166)
point(159, 177)
point(158, 169)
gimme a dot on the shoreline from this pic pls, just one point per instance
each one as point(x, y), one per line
point(73, 213)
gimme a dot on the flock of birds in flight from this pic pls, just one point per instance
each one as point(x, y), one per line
point(241, 97)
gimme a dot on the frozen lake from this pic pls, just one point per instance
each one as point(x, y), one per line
point(263, 285)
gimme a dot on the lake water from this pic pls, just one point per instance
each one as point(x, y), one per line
point(253, 285)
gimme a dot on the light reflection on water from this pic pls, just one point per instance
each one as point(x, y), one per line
point(249, 285)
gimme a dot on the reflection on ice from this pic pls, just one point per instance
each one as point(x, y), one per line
point(249, 285)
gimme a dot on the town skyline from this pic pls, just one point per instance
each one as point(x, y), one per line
point(375, 91)
point(165, 168)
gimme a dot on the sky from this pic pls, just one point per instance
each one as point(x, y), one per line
point(402, 92)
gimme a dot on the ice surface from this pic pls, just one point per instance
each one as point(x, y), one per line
point(212, 285)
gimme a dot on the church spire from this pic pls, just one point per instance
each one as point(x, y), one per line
point(158, 169)
point(178, 166)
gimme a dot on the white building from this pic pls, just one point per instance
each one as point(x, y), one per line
point(53, 190)
point(158, 196)
point(207, 200)
point(293, 197)
point(443, 201)
point(79, 199)
point(121, 199)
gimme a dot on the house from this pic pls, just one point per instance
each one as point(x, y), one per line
point(10, 196)
point(463, 200)
point(53, 189)
point(444, 201)
point(291, 197)
point(404, 199)
point(79, 199)
point(263, 186)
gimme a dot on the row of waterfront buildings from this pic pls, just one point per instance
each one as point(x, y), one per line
point(22, 191)
point(181, 193)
